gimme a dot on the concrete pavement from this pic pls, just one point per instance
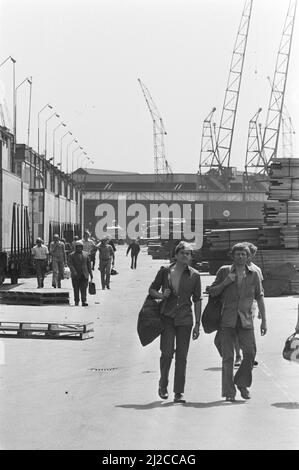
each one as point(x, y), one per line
point(102, 393)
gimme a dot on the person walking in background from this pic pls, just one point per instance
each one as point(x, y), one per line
point(79, 264)
point(135, 249)
point(253, 250)
point(88, 244)
point(106, 256)
point(73, 245)
point(40, 256)
point(238, 285)
point(57, 252)
point(179, 282)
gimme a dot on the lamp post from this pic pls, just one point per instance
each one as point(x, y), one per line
point(46, 126)
point(38, 120)
point(67, 153)
point(13, 94)
point(28, 80)
point(67, 133)
point(78, 156)
point(73, 153)
point(53, 145)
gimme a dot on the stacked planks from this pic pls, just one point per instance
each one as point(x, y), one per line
point(284, 179)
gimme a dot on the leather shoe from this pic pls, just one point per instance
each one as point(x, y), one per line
point(232, 399)
point(178, 398)
point(163, 393)
point(84, 304)
point(244, 393)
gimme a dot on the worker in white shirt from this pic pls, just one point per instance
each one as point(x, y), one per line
point(40, 256)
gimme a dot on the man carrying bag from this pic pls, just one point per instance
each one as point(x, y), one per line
point(178, 283)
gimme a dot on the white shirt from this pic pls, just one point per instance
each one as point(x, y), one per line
point(40, 252)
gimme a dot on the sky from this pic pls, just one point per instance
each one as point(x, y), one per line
point(85, 58)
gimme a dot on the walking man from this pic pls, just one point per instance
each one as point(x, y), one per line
point(106, 255)
point(57, 251)
point(238, 285)
point(79, 264)
point(88, 244)
point(178, 282)
point(135, 249)
point(40, 255)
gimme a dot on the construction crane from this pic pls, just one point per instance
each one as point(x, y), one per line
point(230, 106)
point(161, 166)
point(275, 110)
point(217, 155)
point(254, 157)
point(286, 128)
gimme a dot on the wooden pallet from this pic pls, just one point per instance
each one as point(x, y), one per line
point(77, 331)
point(16, 297)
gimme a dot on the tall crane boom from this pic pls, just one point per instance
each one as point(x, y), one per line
point(275, 109)
point(229, 111)
point(161, 165)
point(208, 143)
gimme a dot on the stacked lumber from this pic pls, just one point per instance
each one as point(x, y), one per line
point(36, 297)
point(281, 213)
point(223, 239)
point(264, 237)
point(268, 259)
point(284, 179)
point(290, 236)
point(40, 330)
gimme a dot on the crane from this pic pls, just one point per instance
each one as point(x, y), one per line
point(275, 110)
point(254, 157)
point(161, 165)
point(230, 106)
point(216, 151)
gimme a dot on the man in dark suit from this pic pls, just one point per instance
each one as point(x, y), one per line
point(79, 264)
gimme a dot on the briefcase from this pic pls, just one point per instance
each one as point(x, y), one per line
point(291, 348)
point(211, 316)
point(91, 288)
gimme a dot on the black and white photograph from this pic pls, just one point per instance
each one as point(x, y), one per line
point(149, 228)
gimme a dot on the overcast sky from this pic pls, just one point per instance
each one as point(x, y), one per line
point(85, 58)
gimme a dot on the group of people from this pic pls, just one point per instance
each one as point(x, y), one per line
point(239, 289)
point(81, 262)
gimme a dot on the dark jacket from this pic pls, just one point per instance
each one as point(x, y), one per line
point(79, 264)
point(178, 306)
point(134, 248)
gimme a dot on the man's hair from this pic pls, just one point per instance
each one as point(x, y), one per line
point(182, 246)
point(252, 248)
point(241, 247)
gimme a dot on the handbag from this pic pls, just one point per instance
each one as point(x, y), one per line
point(113, 272)
point(211, 316)
point(291, 348)
point(66, 272)
point(149, 324)
point(91, 288)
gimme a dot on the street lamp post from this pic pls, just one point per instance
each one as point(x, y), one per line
point(73, 153)
point(46, 127)
point(28, 80)
point(46, 106)
point(13, 95)
point(67, 153)
point(53, 143)
point(67, 133)
point(78, 156)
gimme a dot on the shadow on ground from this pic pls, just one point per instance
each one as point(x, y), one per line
point(214, 369)
point(161, 404)
point(288, 405)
